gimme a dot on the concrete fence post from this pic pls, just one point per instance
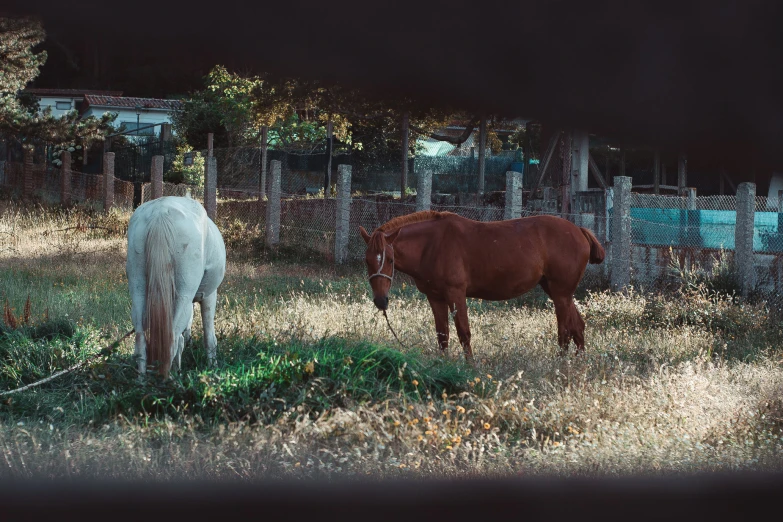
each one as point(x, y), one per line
point(621, 234)
point(273, 205)
point(513, 208)
point(424, 190)
point(780, 218)
point(549, 204)
point(210, 187)
point(108, 181)
point(344, 213)
point(65, 178)
point(743, 236)
point(157, 177)
point(27, 172)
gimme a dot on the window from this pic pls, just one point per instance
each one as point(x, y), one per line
point(63, 105)
point(130, 127)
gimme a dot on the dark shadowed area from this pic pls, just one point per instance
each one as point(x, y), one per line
point(704, 498)
point(701, 76)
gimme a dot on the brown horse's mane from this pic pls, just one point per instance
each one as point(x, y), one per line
point(416, 217)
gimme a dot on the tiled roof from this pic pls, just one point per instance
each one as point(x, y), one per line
point(70, 92)
point(123, 102)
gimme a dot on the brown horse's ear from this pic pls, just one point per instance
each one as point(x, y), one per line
point(364, 234)
point(391, 237)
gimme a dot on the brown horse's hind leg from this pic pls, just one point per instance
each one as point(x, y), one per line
point(577, 328)
point(441, 312)
point(570, 324)
point(563, 313)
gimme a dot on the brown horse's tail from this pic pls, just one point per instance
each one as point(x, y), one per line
point(597, 252)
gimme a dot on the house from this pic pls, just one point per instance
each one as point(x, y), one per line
point(62, 101)
point(141, 115)
point(146, 113)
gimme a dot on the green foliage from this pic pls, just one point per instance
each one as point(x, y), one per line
point(19, 115)
point(260, 380)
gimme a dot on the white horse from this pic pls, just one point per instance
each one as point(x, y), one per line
point(176, 257)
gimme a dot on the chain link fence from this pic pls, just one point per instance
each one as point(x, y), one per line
point(667, 233)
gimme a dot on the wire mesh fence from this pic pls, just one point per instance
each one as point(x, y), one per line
point(667, 231)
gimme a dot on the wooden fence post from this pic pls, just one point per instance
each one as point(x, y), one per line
point(27, 172)
point(108, 181)
point(65, 178)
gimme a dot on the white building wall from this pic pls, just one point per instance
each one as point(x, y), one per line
point(147, 117)
point(52, 101)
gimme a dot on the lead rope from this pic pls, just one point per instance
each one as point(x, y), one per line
point(106, 351)
point(392, 330)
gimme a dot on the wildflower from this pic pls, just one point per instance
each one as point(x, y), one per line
point(310, 367)
point(460, 409)
point(427, 419)
point(297, 464)
point(467, 432)
point(489, 377)
point(410, 406)
point(486, 426)
point(428, 432)
point(448, 448)
point(402, 466)
point(415, 382)
point(415, 421)
point(420, 438)
point(444, 396)
point(396, 423)
point(445, 412)
point(477, 379)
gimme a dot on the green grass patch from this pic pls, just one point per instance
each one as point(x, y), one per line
point(257, 379)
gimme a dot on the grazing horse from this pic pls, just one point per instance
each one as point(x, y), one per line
point(451, 258)
point(176, 257)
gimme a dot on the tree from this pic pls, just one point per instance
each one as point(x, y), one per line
point(20, 118)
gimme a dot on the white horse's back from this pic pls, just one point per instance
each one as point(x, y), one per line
point(176, 256)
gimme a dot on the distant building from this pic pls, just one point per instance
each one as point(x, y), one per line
point(144, 112)
point(62, 101)
point(138, 115)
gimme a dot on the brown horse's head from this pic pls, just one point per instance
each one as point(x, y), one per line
point(380, 264)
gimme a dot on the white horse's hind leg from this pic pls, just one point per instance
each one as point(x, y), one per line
point(208, 305)
point(183, 317)
point(176, 364)
point(138, 300)
point(188, 333)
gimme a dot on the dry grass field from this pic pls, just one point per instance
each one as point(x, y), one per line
point(310, 382)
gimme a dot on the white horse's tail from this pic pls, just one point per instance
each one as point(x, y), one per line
point(160, 291)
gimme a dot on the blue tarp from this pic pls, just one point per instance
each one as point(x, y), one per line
point(702, 228)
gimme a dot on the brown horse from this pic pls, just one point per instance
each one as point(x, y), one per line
point(451, 258)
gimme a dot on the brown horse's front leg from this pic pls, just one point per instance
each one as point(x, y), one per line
point(441, 312)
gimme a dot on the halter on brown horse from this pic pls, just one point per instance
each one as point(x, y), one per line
point(451, 258)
